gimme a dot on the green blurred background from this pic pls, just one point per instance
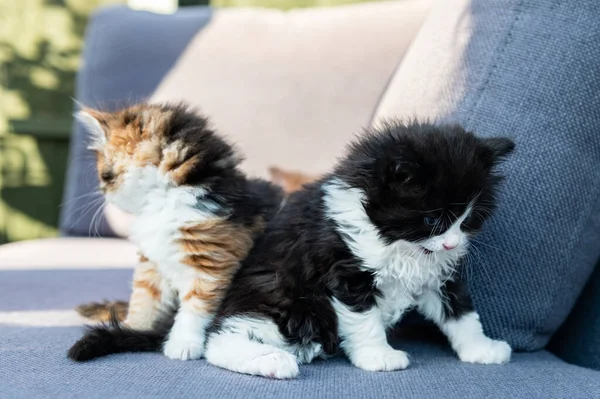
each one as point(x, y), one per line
point(40, 46)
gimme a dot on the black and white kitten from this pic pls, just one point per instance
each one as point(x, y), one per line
point(349, 255)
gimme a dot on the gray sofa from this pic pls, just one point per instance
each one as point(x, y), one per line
point(290, 89)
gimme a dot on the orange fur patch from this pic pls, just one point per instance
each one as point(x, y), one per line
point(290, 181)
point(149, 287)
point(215, 248)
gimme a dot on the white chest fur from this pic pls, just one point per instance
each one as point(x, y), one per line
point(161, 214)
point(403, 272)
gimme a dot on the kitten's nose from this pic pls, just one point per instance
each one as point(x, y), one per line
point(448, 247)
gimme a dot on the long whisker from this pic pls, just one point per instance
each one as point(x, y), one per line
point(491, 246)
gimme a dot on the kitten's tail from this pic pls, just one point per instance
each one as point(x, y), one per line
point(102, 311)
point(107, 339)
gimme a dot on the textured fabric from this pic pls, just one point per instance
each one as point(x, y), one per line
point(288, 87)
point(529, 70)
point(68, 253)
point(34, 365)
point(38, 325)
point(61, 289)
point(578, 340)
point(126, 55)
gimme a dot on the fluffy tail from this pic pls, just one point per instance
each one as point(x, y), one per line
point(112, 338)
point(101, 311)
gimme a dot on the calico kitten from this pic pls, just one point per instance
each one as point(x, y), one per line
point(347, 256)
point(290, 181)
point(196, 215)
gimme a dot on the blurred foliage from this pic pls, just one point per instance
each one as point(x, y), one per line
point(40, 47)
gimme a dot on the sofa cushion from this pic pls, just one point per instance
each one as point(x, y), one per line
point(288, 87)
point(38, 325)
point(33, 365)
point(68, 253)
point(527, 69)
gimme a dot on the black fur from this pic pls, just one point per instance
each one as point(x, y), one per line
point(457, 299)
point(107, 339)
point(417, 170)
point(217, 167)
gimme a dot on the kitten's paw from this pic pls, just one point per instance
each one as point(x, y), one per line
point(280, 365)
point(380, 359)
point(485, 351)
point(183, 349)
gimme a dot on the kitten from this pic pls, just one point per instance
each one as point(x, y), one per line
point(347, 256)
point(350, 254)
point(196, 214)
point(289, 181)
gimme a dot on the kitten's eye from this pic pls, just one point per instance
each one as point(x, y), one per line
point(430, 222)
point(107, 176)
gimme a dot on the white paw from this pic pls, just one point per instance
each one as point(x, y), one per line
point(380, 359)
point(184, 349)
point(485, 351)
point(280, 365)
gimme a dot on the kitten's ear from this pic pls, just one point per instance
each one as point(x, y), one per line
point(278, 176)
point(403, 171)
point(500, 147)
point(96, 124)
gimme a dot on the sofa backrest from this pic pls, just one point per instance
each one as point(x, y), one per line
point(289, 88)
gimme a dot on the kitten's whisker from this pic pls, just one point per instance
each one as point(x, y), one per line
point(491, 246)
point(479, 260)
point(62, 204)
point(91, 226)
point(90, 205)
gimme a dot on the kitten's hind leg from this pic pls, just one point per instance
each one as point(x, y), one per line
point(251, 346)
point(151, 297)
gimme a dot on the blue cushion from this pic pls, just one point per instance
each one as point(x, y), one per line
point(526, 69)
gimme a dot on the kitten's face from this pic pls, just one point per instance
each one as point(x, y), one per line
point(147, 147)
point(429, 186)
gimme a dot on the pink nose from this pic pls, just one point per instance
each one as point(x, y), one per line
point(449, 247)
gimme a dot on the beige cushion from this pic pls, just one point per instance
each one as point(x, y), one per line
point(291, 88)
point(68, 253)
point(440, 85)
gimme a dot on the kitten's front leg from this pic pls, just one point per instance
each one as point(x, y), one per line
point(150, 296)
point(198, 302)
point(453, 312)
point(364, 340)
